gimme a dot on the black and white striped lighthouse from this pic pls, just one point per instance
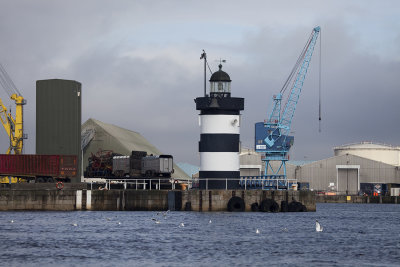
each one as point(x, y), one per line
point(219, 144)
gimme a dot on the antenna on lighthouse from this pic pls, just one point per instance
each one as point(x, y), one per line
point(204, 56)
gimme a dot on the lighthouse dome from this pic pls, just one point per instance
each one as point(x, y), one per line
point(220, 76)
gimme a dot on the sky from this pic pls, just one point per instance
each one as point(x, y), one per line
point(140, 68)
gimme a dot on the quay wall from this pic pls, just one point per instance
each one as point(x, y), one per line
point(217, 200)
point(43, 197)
point(358, 199)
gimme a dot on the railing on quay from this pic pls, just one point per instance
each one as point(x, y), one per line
point(245, 182)
point(142, 183)
point(268, 182)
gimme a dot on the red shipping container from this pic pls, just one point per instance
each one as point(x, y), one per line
point(56, 166)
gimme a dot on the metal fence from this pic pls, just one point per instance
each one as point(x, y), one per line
point(267, 182)
point(142, 184)
point(245, 183)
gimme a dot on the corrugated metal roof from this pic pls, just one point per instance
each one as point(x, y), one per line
point(120, 140)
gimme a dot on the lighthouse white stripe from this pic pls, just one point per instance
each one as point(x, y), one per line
point(219, 161)
point(220, 124)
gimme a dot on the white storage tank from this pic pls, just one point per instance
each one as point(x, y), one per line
point(379, 152)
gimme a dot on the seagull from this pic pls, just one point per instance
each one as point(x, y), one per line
point(165, 214)
point(155, 220)
point(182, 225)
point(12, 221)
point(108, 219)
point(318, 227)
point(118, 222)
point(257, 231)
point(284, 229)
point(209, 221)
point(75, 224)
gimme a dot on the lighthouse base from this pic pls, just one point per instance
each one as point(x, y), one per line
point(219, 180)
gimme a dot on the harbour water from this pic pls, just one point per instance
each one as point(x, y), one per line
point(354, 235)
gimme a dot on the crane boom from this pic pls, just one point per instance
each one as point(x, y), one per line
point(290, 106)
point(272, 135)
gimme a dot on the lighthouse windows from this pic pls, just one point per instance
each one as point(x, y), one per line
point(220, 87)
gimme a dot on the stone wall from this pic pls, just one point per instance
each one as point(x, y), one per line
point(217, 200)
point(37, 200)
point(129, 200)
point(142, 200)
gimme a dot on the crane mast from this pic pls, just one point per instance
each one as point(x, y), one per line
point(14, 127)
point(272, 136)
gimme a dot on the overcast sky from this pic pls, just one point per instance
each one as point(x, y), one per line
point(138, 62)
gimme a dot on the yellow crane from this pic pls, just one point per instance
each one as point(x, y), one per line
point(13, 126)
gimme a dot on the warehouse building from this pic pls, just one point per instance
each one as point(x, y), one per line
point(355, 168)
point(250, 162)
point(99, 136)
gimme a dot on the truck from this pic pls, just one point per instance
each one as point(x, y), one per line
point(140, 165)
point(161, 165)
point(39, 168)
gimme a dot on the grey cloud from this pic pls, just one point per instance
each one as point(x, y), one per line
point(154, 95)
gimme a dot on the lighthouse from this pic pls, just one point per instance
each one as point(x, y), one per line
point(219, 145)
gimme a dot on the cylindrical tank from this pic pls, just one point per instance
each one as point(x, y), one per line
point(373, 151)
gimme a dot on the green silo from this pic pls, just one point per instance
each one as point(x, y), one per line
point(58, 119)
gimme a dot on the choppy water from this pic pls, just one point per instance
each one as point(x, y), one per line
point(354, 235)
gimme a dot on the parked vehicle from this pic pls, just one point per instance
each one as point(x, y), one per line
point(157, 166)
point(137, 165)
point(39, 168)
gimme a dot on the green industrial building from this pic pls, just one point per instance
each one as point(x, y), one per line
point(58, 118)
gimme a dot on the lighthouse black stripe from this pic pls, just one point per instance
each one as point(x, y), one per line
point(219, 112)
point(219, 180)
point(219, 143)
point(219, 174)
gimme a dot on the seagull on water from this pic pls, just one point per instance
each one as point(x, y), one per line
point(75, 224)
point(118, 222)
point(155, 220)
point(182, 225)
point(209, 221)
point(12, 221)
point(165, 214)
point(257, 231)
point(318, 227)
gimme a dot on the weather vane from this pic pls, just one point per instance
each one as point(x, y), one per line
point(221, 61)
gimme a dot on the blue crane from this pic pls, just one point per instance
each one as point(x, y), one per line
point(272, 136)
